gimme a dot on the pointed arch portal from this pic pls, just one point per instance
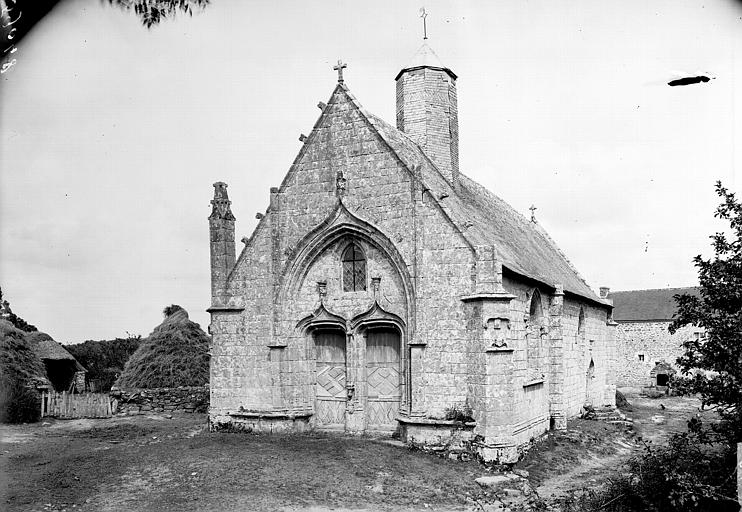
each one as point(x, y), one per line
point(359, 368)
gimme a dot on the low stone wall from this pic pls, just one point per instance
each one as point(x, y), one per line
point(452, 439)
point(145, 401)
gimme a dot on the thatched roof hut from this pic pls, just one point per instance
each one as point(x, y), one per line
point(62, 369)
point(175, 354)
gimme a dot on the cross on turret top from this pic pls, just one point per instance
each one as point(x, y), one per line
point(339, 68)
point(533, 212)
point(423, 15)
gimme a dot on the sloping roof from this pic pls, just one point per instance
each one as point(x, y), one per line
point(646, 305)
point(483, 218)
point(46, 348)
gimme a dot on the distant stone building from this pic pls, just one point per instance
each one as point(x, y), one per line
point(647, 352)
point(382, 288)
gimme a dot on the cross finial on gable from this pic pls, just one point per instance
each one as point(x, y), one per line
point(339, 68)
point(533, 213)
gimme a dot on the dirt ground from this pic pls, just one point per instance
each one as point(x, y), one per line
point(591, 451)
point(155, 463)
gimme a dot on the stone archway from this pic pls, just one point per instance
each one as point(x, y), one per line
point(661, 374)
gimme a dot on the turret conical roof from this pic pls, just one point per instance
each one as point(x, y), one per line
point(425, 57)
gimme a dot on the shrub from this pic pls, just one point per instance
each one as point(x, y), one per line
point(683, 385)
point(457, 412)
point(104, 360)
point(18, 402)
point(687, 474)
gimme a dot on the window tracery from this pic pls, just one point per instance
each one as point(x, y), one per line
point(354, 269)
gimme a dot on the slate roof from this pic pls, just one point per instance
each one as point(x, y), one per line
point(646, 305)
point(484, 219)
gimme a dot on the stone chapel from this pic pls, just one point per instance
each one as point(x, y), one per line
point(383, 288)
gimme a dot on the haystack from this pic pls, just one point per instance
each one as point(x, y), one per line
point(21, 371)
point(175, 354)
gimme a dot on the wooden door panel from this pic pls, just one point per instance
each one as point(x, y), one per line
point(383, 388)
point(331, 395)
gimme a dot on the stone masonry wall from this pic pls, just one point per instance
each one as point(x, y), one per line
point(240, 372)
point(444, 276)
point(651, 340)
point(594, 343)
point(166, 400)
point(427, 111)
point(531, 364)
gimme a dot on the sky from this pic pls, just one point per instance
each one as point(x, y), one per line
point(111, 135)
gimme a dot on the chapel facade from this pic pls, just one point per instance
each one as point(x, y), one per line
point(382, 288)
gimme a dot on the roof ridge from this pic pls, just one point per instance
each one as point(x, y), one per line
point(656, 289)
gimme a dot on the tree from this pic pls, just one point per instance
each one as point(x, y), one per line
point(152, 12)
point(718, 310)
point(104, 360)
point(7, 314)
point(17, 18)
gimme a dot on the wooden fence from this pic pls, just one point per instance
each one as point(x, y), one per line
point(70, 405)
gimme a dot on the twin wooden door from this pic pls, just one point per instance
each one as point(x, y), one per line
point(380, 380)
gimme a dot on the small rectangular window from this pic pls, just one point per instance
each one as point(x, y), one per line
point(641, 357)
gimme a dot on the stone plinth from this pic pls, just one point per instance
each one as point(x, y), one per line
point(454, 439)
point(264, 422)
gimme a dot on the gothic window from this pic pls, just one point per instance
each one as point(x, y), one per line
point(354, 269)
point(536, 311)
point(534, 331)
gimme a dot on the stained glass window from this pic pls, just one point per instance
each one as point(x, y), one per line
point(354, 269)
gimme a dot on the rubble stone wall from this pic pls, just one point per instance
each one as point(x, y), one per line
point(641, 345)
point(145, 401)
